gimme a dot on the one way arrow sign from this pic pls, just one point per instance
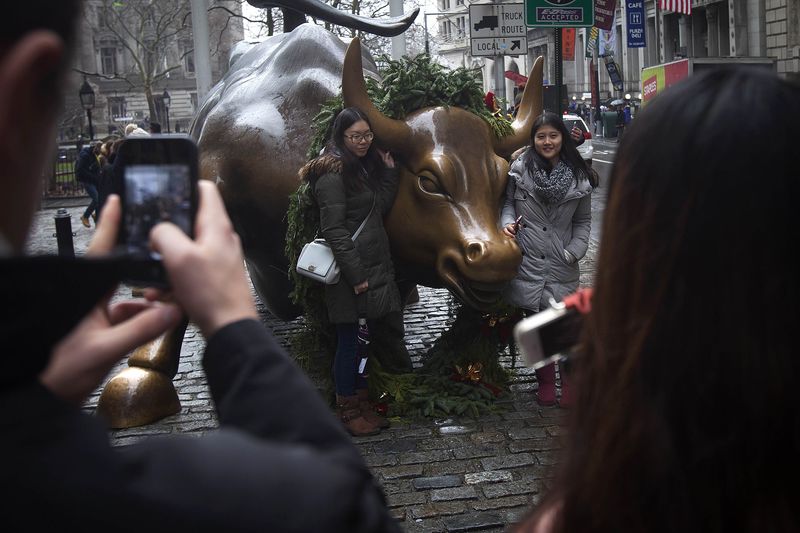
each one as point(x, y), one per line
point(514, 45)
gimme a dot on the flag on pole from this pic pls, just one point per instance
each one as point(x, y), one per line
point(678, 6)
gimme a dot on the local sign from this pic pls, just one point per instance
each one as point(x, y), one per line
point(497, 29)
point(562, 13)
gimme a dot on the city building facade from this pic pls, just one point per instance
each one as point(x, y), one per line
point(714, 29)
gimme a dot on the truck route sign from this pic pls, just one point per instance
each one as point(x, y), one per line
point(497, 29)
point(559, 13)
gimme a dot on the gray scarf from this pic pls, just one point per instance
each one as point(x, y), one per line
point(554, 186)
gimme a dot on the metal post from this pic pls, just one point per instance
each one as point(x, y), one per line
point(398, 41)
point(64, 233)
point(427, 45)
point(558, 69)
point(202, 53)
point(91, 129)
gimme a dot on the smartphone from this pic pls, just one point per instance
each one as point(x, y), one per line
point(548, 335)
point(158, 182)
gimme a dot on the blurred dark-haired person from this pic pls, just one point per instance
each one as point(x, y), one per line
point(687, 416)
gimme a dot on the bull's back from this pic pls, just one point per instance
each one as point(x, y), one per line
point(253, 132)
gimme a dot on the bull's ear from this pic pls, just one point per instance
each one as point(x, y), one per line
point(393, 134)
point(530, 107)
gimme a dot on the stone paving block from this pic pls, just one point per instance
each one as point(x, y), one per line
point(512, 488)
point(533, 445)
point(404, 471)
point(395, 446)
point(450, 467)
point(473, 522)
point(535, 432)
point(454, 493)
point(489, 476)
point(473, 452)
point(436, 482)
point(373, 459)
point(501, 503)
point(425, 457)
point(509, 461)
point(405, 499)
point(430, 510)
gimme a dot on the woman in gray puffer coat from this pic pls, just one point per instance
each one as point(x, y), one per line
point(547, 210)
point(354, 181)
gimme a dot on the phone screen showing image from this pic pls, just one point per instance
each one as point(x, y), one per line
point(153, 194)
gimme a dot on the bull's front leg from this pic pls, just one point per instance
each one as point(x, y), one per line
point(144, 393)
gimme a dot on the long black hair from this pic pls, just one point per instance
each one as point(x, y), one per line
point(569, 152)
point(356, 172)
point(687, 407)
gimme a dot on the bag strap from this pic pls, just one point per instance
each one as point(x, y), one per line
point(355, 235)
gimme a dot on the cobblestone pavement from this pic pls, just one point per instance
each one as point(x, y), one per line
point(458, 474)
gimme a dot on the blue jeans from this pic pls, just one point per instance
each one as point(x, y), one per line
point(91, 190)
point(345, 369)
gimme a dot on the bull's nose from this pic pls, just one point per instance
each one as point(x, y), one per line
point(475, 251)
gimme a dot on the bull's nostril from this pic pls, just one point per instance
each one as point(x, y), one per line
point(475, 251)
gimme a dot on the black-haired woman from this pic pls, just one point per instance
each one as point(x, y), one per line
point(353, 180)
point(550, 188)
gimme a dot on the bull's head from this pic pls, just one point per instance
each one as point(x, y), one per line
point(453, 176)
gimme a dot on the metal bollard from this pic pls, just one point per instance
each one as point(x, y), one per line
point(64, 233)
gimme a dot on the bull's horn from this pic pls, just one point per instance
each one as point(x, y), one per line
point(387, 27)
point(393, 134)
point(530, 107)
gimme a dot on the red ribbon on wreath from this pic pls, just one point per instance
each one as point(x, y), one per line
point(500, 325)
point(472, 375)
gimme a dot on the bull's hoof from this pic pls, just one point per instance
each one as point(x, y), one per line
point(136, 397)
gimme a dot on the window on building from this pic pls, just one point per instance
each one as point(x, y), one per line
point(117, 107)
point(108, 51)
point(187, 57)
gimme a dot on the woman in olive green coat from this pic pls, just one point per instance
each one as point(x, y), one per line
point(353, 180)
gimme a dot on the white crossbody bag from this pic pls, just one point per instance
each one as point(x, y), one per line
point(316, 259)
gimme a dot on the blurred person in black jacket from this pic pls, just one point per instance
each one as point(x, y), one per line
point(280, 460)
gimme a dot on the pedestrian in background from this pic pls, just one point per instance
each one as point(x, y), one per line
point(355, 182)
point(547, 209)
point(279, 461)
point(687, 416)
point(155, 127)
point(87, 172)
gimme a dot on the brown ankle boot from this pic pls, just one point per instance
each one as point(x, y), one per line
point(347, 407)
point(368, 410)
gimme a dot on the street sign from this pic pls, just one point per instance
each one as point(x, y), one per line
point(497, 29)
point(495, 46)
point(562, 13)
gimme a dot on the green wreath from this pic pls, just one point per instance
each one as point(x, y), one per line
point(460, 373)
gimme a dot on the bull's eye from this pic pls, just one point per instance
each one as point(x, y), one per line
point(432, 186)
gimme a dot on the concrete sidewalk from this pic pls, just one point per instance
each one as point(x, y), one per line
point(458, 474)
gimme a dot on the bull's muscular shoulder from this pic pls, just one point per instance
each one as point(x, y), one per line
point(318, 166)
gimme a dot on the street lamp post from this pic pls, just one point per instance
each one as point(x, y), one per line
point(165, 98)
point(86, 94)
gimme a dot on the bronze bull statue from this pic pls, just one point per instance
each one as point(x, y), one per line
point(253, 132)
